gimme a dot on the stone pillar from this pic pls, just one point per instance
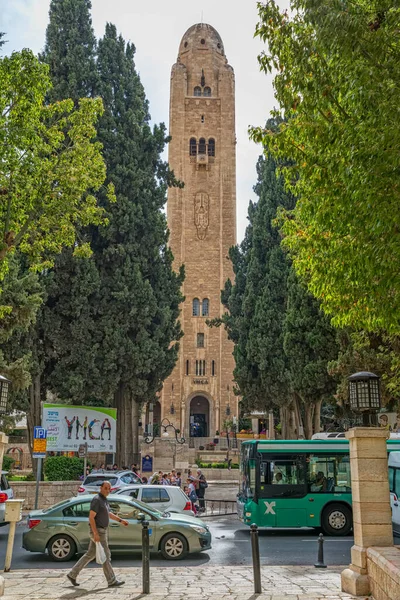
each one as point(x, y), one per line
point(372, 518)
point(183, 420)
point(3, 442)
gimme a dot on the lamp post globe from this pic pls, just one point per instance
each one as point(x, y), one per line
point(364, 394)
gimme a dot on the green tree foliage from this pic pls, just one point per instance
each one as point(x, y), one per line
point(70, 50)
point(336, 78)
point(282, 341)
point(50, 164)
point(309, 345)
point(111, 321)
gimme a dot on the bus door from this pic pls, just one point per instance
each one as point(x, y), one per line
point(282, 490)
point(394, 484)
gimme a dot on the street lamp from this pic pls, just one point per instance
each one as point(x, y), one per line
point(165, 425)
point(364, 392)
point(4, 389)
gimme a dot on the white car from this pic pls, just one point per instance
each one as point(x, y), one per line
point(394, 484)
point(6, 493)
point(165, 498)
point(118, 480)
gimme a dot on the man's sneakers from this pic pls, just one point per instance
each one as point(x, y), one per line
point(72, 579)
point(116, 583)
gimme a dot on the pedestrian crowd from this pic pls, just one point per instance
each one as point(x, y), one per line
point(195, 486)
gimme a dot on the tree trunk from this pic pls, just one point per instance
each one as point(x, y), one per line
point(308, 422)
point(119, 399)
point(135, 431)
point(298, 416)
point(317, 416)
point(34, 415)
point(282, 418)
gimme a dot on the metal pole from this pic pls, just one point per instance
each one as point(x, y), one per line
point(255, 551)
point(10, 545)
point(146, 557)
point(38, 478)
point(320, 560)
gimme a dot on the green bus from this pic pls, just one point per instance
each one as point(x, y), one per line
point(297, 483)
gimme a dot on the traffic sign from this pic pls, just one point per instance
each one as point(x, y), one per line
point(39, 433)
point(39, 448)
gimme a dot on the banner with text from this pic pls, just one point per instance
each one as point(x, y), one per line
point(70, 426)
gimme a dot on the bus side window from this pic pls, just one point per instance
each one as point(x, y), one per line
point(397, 481)
point(391, 479)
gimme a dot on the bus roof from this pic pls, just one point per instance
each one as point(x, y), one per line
point(336, 445)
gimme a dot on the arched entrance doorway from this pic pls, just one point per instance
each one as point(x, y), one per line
point(199, 417)
point(156, 418)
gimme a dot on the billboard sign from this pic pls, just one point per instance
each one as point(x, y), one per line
point(70, 426)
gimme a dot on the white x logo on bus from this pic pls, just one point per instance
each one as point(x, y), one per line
point(270, 508)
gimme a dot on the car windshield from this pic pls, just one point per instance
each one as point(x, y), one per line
point(98, 481)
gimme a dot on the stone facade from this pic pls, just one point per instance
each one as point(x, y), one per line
point(198, 396)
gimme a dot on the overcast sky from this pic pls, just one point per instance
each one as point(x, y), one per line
point(156, 28)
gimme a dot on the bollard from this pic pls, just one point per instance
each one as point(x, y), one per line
point(146, 557)
point(255, 551)
point(320, 560)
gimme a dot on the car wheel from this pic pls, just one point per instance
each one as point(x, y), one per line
point(174, 546)
point(337, 519)
point(61, 548)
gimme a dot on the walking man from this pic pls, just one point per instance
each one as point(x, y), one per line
point(99, 517)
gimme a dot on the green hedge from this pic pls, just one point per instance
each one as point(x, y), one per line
point(7, 462)
point(216, 465)
point(63, 468)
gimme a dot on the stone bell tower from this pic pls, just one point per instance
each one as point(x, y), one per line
point(198, 396)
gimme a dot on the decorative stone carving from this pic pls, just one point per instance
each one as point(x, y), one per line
point(201, 214)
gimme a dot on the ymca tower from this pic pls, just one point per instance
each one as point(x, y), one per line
point(198, 396)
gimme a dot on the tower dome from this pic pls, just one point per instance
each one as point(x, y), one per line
point(201, 37)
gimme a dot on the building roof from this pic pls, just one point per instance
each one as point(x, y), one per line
point(201, 35)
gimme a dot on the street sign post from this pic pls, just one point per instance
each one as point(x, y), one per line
point(39, 452)
point(82, 453)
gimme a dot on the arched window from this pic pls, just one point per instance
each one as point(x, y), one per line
point(213, 368)
point(211, 147)
point(196, 307)
point(205, 307)
point(197, 91)
point(192, 147)
point(207, 91)
point(187, 367)
point(202, 146)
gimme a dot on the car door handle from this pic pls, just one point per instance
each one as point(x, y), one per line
point(74, 523)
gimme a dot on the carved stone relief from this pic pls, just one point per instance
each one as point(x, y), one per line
point(201, 214)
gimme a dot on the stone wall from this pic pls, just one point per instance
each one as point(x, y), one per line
point(50, 492)
point(384, 572)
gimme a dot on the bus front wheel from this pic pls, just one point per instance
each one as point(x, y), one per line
point(337, 519)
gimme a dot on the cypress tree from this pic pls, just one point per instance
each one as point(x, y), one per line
point(111, 321)
point(309, 345)
point(70, 50)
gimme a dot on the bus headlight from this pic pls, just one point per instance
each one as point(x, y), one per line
point(248, 514)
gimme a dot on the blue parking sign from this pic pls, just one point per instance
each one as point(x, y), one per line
point(39, 433)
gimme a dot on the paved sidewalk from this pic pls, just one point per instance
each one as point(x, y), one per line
point(180, 583)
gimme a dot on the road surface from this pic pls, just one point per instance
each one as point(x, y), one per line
point(230, 546)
